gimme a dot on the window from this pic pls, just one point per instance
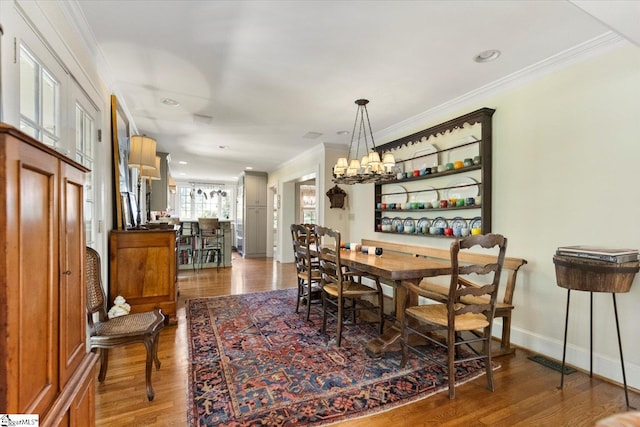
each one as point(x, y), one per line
point(85, 134)
point(39, 100)
point(205, 200)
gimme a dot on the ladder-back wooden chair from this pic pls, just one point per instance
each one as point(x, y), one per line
point(469, 308)
point(340, 286)
point(307, 266)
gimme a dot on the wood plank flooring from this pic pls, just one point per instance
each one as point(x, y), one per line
point(526, 392)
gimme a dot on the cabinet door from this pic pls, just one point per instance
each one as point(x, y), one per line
point(256, 190)
point(72, 292)
point(256, 231)
point(81, 411)
point(32, 190)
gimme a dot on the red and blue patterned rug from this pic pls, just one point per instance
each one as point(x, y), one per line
point(254, 361)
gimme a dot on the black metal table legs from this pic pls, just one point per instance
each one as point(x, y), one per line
point(564, 347)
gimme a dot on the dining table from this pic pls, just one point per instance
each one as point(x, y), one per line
point(396, 268)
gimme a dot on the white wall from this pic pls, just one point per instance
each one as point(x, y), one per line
point(317, 163)
point(565, 171)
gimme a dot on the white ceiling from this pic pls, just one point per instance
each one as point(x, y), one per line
point(268, 72)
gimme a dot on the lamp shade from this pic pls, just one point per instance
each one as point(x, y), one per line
point(152, 173)
point(142, 152)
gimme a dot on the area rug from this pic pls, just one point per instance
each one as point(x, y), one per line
point(254, 361)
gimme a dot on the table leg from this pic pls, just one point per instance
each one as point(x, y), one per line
point(590, 334)
point(390, 339)
point(564, 346)
point(624, 377)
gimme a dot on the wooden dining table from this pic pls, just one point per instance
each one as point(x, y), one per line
point(396, 268)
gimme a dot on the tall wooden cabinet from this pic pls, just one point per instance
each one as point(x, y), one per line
point(251, 220)
point(44, 365)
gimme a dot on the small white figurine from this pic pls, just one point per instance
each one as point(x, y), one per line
point(121, 308)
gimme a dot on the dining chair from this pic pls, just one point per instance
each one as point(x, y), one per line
point(307, 267)
point(105, 333)
point(469, 308)
point(342, 290)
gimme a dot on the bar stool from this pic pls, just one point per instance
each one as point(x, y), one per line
point(210, 241)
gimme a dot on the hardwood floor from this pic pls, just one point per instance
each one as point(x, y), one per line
point(526, 392)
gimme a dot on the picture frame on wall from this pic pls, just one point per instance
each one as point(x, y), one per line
point(120, 134)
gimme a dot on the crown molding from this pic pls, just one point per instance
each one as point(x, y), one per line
point(597, 46)
point(78, 22)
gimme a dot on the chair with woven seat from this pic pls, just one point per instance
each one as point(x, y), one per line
point(210, 242)
point(469, 308)
point(105, 333)
point(307, 267)
point(343, 290)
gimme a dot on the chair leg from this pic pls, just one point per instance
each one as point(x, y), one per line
point(156, 340)
point(451, 352)
point(324, 312)
point(404, 342)
point(354, 311)
point(149, 344)
point(104, 362)
point(300, 293)
point(340, 320)
point(308, 300)
point(487, 353)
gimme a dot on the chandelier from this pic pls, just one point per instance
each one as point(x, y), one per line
point(369, 168)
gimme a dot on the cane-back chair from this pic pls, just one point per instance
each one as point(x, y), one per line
point(105, 333)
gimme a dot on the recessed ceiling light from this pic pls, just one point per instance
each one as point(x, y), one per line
point(170, 102)
point(182, 162)
point(249, 168)
point(343, 132)
point(487, 56)
point(312, 135)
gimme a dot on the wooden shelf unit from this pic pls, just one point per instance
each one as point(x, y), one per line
point(481, 173)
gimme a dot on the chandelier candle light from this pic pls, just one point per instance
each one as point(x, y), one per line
point(370, 168)
point(142, 156)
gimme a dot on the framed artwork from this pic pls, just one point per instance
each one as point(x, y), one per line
point(120, 134)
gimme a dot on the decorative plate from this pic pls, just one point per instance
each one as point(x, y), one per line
point(427, 195)
point(385, 221)
point(399, 167)
point(440, 222)
point(409, 222)
point(464, 152)
point(458, 222)
point(395, 223)
point(476, 222)
point(461, 188)
point(423, 222)
point(394, 194)
point(427, 156)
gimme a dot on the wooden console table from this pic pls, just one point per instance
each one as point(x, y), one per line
point(582, 274)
